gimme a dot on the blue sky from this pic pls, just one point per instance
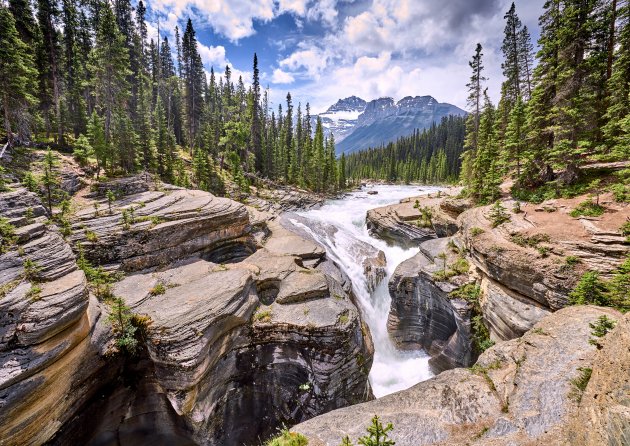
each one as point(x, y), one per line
point(323, 50)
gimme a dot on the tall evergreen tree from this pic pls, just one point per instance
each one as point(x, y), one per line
point(17, 79)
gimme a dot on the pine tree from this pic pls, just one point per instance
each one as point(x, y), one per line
point(255, 132)
point(49, 59)
point(475, 96)
point(17, 79)
point(109, 67)
point(618, 111)
point(96, 136)
point(194, 82)
point(515, 140)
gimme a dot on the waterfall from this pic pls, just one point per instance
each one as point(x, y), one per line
point(393, 370)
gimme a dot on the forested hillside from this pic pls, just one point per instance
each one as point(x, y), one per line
point(431, 156)
point(572, 109)
point(561, 108)
point(84, 76)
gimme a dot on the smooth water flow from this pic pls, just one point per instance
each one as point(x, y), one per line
point(392, 370)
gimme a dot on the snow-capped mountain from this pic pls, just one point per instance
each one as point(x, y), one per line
point(358, 125)
point(341, 118)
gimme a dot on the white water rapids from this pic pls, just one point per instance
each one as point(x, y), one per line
point(393, 370)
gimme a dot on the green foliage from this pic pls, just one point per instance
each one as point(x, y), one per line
point(590, 290)
point(619, 287)
point(31, 269)
point(498, 214)
point(120, 317)
point(287, 438)
point(469, 292)
point(572, 261)
point(481, 335)
point(530, 242)
point(82, 150)
point(49, 179)
point(34, 293)
point(600, 329)
point(621, 193)
point(475, 231)
point(263, 316)
point(425, 215)
point(378, 435)
point(7, 235)
point(111, 197)
point(158, 289)
point(587, 209)
point(29, 181)
point(625, 230)
point(580, 382)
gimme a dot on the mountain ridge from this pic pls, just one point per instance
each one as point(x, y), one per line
point(358, 124)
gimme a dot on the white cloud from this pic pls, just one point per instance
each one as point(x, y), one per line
point(232, 18)
point(281, 77)
point(295, 6)
point(313, 60)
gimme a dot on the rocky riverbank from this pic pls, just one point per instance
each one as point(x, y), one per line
point(242, 326)
point(506, 281)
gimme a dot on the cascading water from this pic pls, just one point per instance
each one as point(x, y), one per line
point(393, 369)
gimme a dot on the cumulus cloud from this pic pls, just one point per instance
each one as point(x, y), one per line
point(281, 77)
point(311, 60)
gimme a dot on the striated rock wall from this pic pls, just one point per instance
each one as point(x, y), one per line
point(422, 313)
point(249, 325)
point(47, 326)
point(519, 392)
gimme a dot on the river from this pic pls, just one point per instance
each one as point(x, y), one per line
point(393, 370)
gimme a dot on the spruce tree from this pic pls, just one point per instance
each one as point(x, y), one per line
point(109, 68)
point(255, 132)
point(17, 79)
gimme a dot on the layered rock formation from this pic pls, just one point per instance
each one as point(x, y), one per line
point(519, 392)
point(246, 326)
point(424, 315)
point(522, 264)
point(46, 326)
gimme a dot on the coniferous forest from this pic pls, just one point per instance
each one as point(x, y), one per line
point(566, 106)
point(430, 157)
point(85, 77)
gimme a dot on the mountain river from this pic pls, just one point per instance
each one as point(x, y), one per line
point(393, 370)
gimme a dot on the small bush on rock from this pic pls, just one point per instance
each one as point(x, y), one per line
point(590, 290)
point(498, 214)
point(287, 438)
point(600, 329)
point(378, 435)
point(587, 209)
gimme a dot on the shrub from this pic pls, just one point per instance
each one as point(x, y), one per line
point(481, 335)
point(7, 235)
point(621, 193)
point(30, 182)
point(287, 438)
point(530, 242)
point(600, 329)
point(460, 266)
point(475, 231)
point(82, 150)
point(469, 292)
point(581, 382)
point(158, 289)
point(625, 230)
point(572, 260)
point(378, 435)
point(587, 209)
point(35, 292)
point(91, 236)
point(31, 268)
point(517, 207)
point(619, 287)
point(124, 331)
point(111, 197)
point(590, 290)
point(263, 316)
point(498, 214)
